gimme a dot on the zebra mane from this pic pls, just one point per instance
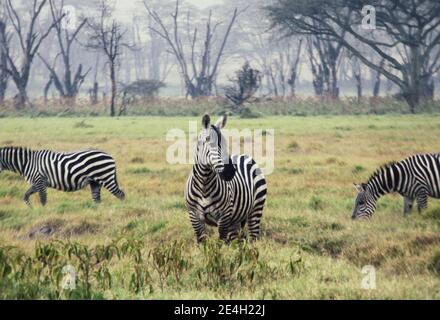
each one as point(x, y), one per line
point(381, 169)
point(15, 148)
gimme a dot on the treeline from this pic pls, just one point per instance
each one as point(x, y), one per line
point(61, 54)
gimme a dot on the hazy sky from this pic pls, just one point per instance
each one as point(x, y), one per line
point(204, 3)
point(125, 8)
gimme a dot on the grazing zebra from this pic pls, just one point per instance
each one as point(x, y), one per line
point(415, 178)
point(62, 171)
point(223, 191)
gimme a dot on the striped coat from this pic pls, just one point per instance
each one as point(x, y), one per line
point(62, 171)
point(224, 191)
point(416, 178)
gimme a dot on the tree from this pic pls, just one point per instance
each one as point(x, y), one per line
point(29, 44)
point(324, 57)
point(294, 69)
point(198, 74)
point(4, 75)
point(406, 37)
point(67, 84)
point(281, 64)
point(106, 36)
point(278, 58)
point(139, 88)
point(244, 85)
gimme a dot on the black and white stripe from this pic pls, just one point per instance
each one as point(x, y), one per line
point(224, 191)
point(62, 171)
point(416, 178)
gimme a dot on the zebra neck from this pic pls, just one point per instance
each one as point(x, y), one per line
point(383, 182)
point(204, 176)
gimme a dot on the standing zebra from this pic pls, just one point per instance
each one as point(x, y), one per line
point(62, 171)
point(222, 190)
point(415, 178)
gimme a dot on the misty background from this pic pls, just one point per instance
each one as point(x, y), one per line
point(112, 50)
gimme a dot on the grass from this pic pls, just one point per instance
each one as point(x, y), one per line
point(310, 248)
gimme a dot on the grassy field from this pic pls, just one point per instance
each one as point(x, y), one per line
point(310, 248)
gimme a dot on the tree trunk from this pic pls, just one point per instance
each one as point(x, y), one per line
point(3, 61)
point(113, 89)
point(334, 93)
point(358, 86)
point(376, 87)
point(46, 89)
point(21, 98)
point(420, 86)
point(94, 94)
point(421, 91)
point(292, 81)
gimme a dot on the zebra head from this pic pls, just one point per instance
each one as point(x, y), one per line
point(365, 203)
point(212, 148)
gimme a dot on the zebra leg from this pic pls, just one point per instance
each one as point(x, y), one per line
point(33, 189)
point(41, 187)
point(43, 195)
point(422, 202)
point(95, 187)
point(198, 226)
point(407, 205)
point(254, 219)
point(234, 232)
point(224, 228)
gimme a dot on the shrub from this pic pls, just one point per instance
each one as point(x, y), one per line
point(316, 203)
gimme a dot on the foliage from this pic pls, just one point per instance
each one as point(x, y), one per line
point(143, 88)
point(245, 84)
point(42, 274)
point(183, 107)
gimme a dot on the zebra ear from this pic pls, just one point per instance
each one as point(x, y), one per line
point(359, 187)
point(206, 121)
point(221, 123)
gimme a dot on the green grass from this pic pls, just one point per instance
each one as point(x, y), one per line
point(310, 248)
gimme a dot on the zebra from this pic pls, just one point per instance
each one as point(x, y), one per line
point(62, 171)
point(223, 191)
point(415, 178)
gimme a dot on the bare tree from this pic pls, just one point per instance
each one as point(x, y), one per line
point(29, 43)
point(106, 36)
point(4, 75)
point(409, 45)
point(281, 64)
point(67, 83)
point(198, 75)
point(324, 57)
